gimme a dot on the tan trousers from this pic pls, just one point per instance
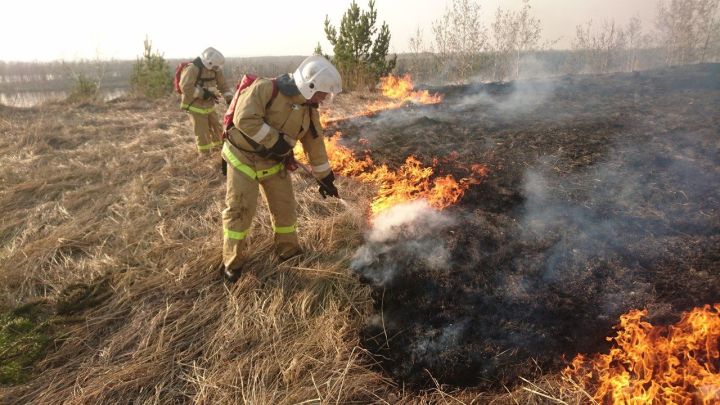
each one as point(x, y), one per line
point(208, 130)
point(241, 203)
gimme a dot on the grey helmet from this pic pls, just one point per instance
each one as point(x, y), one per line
point(212, 59)
point(316, 73)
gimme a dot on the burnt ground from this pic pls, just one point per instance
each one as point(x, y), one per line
point(603, 195)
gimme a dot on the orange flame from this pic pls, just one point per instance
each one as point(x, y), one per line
point(679, 364)
point(397, 91)
point(410, 182)
point(400, 91)
point(401, 88)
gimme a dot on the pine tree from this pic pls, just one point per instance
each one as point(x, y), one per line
point(360, 59)
point(151, 75)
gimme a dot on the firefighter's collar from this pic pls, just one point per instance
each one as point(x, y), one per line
point(286, 85)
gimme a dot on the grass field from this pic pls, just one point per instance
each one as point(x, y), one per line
point(111, 233)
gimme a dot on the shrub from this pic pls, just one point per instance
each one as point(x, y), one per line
point(85, 88)
point(151, 75)
point(23, 340)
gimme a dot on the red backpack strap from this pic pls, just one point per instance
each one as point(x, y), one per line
point(178, 74)
point(227, 119)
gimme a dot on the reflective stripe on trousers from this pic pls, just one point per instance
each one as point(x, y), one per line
point(235, 235)
point(247, 170)
point(285, 229)
point(208, 146)
point(203, 111)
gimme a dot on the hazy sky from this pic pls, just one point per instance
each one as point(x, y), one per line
point(74, 29)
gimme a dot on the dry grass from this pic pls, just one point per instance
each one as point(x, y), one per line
point(113, 195)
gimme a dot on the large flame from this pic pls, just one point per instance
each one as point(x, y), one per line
point(411, 181)
point(397, 92)
point(678, 364)
point(400, 90)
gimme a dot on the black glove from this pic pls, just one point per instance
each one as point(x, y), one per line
point(278, 151)
point(223, 167)
point(290, 163)
point(327, 188)
point(207, 94)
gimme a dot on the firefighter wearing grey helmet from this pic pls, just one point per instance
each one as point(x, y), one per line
point(317, 74)
point(202, 85)
point(212, 59)
point(270, 117)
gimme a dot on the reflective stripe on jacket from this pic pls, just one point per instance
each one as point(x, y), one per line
point(207, 78)
point(258, 175)
point(290, 115)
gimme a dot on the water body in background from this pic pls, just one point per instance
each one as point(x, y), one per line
point(33, 98)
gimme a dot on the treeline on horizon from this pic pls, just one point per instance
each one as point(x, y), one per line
point(62, 76)
point(463, 48)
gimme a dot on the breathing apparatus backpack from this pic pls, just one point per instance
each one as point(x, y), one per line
point(244, 83)
point(228, 124)
point(178, 72)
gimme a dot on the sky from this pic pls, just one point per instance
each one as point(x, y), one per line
point(33, 30)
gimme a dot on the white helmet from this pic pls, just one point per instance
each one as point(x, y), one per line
point(317, 74)
point(212, 59)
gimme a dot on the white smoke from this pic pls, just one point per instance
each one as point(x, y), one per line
point(623, 213)
point(403, 238)
point(524, 96)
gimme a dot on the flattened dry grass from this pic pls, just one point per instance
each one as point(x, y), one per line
point(109, 214)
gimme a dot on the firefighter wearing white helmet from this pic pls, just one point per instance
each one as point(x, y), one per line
point(270, 117)
point(202, 85)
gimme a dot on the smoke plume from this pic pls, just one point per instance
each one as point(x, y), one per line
point(403, 238)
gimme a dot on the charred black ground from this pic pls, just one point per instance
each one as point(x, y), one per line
point(603, 195)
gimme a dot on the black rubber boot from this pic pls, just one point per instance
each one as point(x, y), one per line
point(228, 275)
point(223, 167)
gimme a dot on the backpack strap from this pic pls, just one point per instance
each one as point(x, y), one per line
point(259, 148)
point(256, 146)
point(198, 64)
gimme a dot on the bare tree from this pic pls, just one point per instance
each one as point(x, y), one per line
point(514, 33)
point(441, 34)
point(460, 36)
point(504, 37)
point(709, 21)
point(687, 29)
point(635, 41)
point(714, 40)
point(600, 48)
point(417, 48)
point(529, 30)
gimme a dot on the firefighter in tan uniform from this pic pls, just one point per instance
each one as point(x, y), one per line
point(268, 121)
point(203, 84)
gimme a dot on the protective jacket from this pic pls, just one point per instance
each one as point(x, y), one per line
point(289, 115)
point(193, 80)
point(259, 121)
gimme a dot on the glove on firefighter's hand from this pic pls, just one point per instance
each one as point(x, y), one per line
point(207, 94)
point(217, 95)
point(278, 151)
point(290, 163)
point(327, 188)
